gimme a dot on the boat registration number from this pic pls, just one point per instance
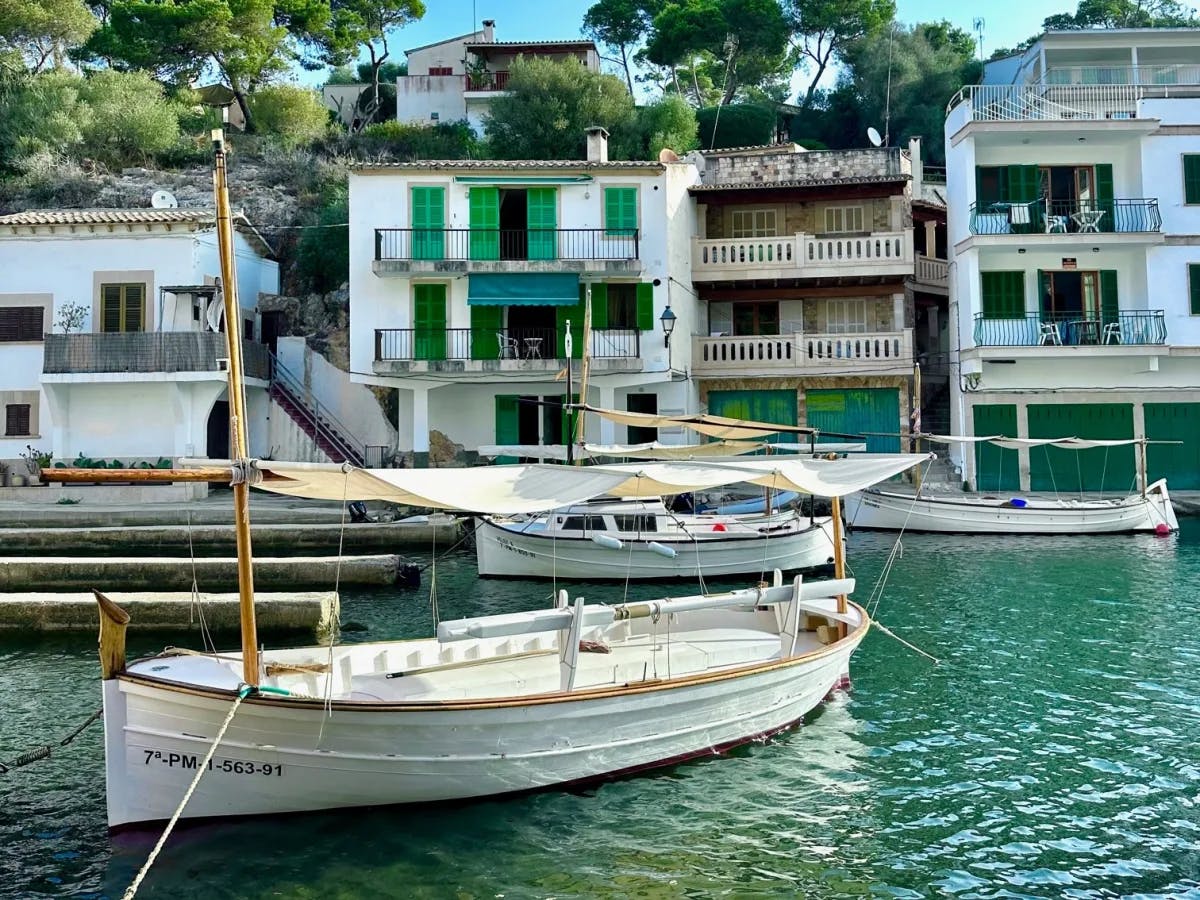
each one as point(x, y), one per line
point(174, 760)
point(511, 548)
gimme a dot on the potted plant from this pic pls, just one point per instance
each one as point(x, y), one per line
point(35, 461)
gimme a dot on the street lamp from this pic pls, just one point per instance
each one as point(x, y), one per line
point(668, 325)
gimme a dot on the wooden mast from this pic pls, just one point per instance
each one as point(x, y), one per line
point(237, 411)
point(839, 558)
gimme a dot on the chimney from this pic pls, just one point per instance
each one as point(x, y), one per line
point(597, 144)
point(918, 167)
point(489, 31)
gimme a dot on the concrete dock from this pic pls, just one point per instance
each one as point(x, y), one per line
point(295, 611)
point(65, 573)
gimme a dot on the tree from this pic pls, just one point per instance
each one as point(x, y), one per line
point(669, 123)
point(356, 24)
point(1124, 14)
point(620, 24)
point(825, 27)
point(43, 30)
point(293, 114)
point(130, 119)
point(41, 114)
point(548, 105)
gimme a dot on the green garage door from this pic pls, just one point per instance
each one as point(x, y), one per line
point(858, 412)
point(996, 468)
point(1178, 463)
point(1108, 469)
point(776, 407)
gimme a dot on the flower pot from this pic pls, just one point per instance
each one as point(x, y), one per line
point(16, 480)
point(34, 478)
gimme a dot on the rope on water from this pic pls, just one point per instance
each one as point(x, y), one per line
point(897, 552)
point(43, 752)
point(141, 875)
point(912, 647)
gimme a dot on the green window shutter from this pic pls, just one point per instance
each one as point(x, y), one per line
point(645, 307)
point(541, 206)
point(486, 324)
point(507, 430)
point(484, 203)
point(429, 321)
point(1191, 178)
point(1110, 309)
point(1003, 294)
point(428, 223)
point(110, 308)
point(620, 212)
point(1104, 197)
point(135, 307)
point(1043, 293)
point(599, 306)
point(1025, 187)
point(1194, 284)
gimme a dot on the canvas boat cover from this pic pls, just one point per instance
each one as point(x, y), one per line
point(713, 426)
point(1068, 443)
point(652, 450)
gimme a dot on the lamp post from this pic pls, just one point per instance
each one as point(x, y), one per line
point(667, 320)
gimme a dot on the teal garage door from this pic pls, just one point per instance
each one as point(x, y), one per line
point(996, 468)
point(1108, 469)
point(775, 407)
point(1178, 463)
point(873, 412)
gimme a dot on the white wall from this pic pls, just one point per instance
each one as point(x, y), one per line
point(284, 439)
point(419, 97)
point(255, 274)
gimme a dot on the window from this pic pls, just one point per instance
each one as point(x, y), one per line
point(1194, 286)
point(846, 316)
point(991, 185)
point(749, 223)
point(622, 306)
point(122, 307)
point(21, 323)
point(841, 219)
point(248, 329)
point(642, 403)
point(756, 318)
point(1003, 294)
point(620, 211)
point(636, 524)
point(16, 419)
point(1191, 178)
point(441, 70)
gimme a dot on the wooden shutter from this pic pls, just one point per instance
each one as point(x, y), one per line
point(21, 323)
point(620, 212)
point(1194, 286)
point(429, 321)
point(541, 216)
point(16, 419)
point(599, 306)
point(428, 223)
point(135, 307)
point(507, 427)
point(1104, 198)
point(110, 307)
point(1003, 294)
point(485, 222)
point(1043, 293)
point(1191, 178)
point(486, 323)
point(1110, 309)
point(645, 306)
point(1024, 187)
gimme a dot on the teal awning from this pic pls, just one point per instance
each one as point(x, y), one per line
point(523, 179)
point(523, 289)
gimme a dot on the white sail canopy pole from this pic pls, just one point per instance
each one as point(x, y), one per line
point(713, 426)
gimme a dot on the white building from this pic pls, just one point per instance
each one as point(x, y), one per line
point(1074, 227)
point(464, 275)
point(139, 377)
point(459, 77)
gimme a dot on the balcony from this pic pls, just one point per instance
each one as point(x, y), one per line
point(402, 351)
point(1159, 76)
point(1045, 330)
point(1049, 102)
point(880, 254)
point(803, 354)
point(931, 272)
point(148, 352)
point(1063, 217)
point(487, 82)
point(405, 251)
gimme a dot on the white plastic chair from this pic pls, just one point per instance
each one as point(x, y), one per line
point(1048, 334)
point(1112, 333)
point(508, 346)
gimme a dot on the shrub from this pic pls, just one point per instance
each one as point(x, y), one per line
point(401, 141)
point(669, 123)
point(737, 125)
point(131, 120)
point(323, 255)
point(292, 114)
point(41, 114)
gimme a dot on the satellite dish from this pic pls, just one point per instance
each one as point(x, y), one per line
point(667, 155)
point(873, 137)
point(163, 200)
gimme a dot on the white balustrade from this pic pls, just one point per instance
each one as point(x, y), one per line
point(796, 352)
point(932, 271)
point(796, 255)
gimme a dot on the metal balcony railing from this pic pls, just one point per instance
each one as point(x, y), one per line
point(482, 244)
point(147, 351)
point(1155, 75)
point(487, 81)
point(393, 344)
point(1047, 102)
point(316, 418)
point(1070, 329)
point(1125, 216)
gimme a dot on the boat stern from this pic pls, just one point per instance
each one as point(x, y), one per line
point(1160, 499)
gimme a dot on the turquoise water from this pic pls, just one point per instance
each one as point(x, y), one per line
point(1053, 752)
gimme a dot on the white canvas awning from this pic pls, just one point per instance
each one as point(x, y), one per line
point(652, 450)
point(1067, 443)
point(714, 426)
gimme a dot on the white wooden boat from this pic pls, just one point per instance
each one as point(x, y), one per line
point(639, 540)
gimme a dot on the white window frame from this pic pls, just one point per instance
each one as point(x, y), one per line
point(846, 316)
point(844, 219)
point(754, 223)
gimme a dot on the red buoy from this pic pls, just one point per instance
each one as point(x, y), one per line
point(718, 527)
point(1162, 529)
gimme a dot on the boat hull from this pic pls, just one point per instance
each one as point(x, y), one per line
point(288, 756)
point(509, 552)
point(892, 511)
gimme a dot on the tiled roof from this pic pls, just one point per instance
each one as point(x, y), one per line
point(139, 216)
point(782, 146)
point(508, 164)
point(814, 182)
point(512, 44)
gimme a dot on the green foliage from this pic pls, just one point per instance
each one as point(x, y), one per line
point(323, 256)
point(824, 28)
point(131, 120)
point(669, 123)
point(738, 125)
point(548, 106)
point(1125, 14)
point(42, 31)
point(619, 24)
point(400, 141)
point(342, 75)
point(294, 115)
point(42, 114)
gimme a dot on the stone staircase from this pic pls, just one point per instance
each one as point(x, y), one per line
point(333, 438)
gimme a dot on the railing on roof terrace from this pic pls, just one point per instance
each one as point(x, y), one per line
point(1047, 102)
point(487, 81)
point(1187, 74)
point(147, 351)
point(1124, 216)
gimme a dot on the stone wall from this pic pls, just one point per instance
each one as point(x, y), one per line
point(807, 165)
point(805, 218)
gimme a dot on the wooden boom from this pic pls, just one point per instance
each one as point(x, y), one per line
point(224, 475)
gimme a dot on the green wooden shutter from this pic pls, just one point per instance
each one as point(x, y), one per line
point(507, 428)
point(1024, 187)
point(1191, 178)
point(996, 468)
point(429, 321)
point(428, 223)
point(1104, 197)
point(1109, 307)
point(1043, 294)
point(135, 307)
point(599, 306)
point(575, 314)
point(486, 324)
point(1003, 294)
point(620, 212)
point(645, 306)
point(1194, 285)
point(541, 209)
point(485, 222)
point(110, 308)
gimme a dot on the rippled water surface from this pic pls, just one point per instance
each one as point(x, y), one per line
point(1054, 752)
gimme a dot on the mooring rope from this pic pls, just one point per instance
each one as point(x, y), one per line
point(43, 752)
point(141, 875)
point(205, 634)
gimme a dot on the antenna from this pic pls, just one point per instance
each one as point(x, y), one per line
point(163, 200)
point(873, 136)
point(978, 24)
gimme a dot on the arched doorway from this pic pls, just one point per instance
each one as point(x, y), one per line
point(218, 430)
